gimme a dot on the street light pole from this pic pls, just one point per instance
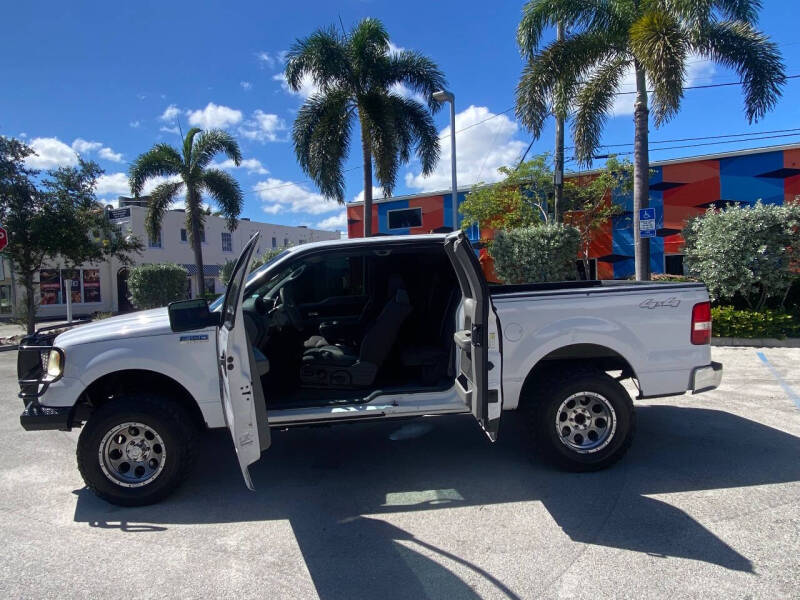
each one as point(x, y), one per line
point(445, 96)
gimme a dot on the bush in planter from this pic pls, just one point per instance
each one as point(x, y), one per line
point(729, 322)
point(152, 286)
point(537, 253)
point(745, 252)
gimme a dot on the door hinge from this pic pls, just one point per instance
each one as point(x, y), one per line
point(477, 331)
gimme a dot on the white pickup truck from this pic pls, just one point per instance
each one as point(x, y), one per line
point(351, 330)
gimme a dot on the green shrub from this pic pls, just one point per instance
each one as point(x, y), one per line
point(729, 322)
point(152, 286)
point(537, 253)
point(745, 252)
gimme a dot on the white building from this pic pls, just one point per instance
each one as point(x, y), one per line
point(102, 287)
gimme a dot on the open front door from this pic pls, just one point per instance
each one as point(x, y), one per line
point(243, 399)
point(477, 337)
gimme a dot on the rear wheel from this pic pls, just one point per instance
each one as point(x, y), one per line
point(136, 450)
point(581, 419)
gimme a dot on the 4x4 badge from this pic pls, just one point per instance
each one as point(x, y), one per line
point(651, 303)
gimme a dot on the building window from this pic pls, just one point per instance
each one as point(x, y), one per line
point(227, 242)
point(154, 242)
point(85, 287)
point(211, 285)
point(285, 242)
point(189, 288)
point(6, 302)
point(274, 242)
point(673, 264)
point(184, 237)
point(405, 218)
point(301, 241)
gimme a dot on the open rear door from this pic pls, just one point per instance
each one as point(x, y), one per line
point(477, 337)
point(242, 397)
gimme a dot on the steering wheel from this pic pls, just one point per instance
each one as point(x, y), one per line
point(289, 307)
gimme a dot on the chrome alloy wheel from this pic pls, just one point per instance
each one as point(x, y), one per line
point(132, 454)
point(586, 422)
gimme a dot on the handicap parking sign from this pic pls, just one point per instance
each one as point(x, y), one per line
point(647, 222)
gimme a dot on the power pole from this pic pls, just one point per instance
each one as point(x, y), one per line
point(558, 156)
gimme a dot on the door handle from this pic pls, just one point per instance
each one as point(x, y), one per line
point(313, 313)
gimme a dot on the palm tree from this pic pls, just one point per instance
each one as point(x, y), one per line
point(358, 76)
point(654, 38)
point(189, 170)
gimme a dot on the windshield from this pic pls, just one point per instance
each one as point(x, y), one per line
point(254, 276)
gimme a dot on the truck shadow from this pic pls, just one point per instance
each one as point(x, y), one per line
point(333, 485)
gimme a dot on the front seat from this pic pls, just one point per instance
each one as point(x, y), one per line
point(340, 366)
point(256, 332)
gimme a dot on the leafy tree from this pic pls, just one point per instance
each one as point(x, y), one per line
point(538, 253)
point(152, 286)
point(188, 172)
point(356, 74)
point(519, 200)
point(57, 218)
point(589, 203)
point(258, 261)
point(655, 38)
point(749, 252)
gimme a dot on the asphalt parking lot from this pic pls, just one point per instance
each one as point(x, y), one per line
point(706, 504)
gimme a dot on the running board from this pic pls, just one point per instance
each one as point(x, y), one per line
point(332, 415)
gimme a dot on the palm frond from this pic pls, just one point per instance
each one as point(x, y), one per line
point(321, 55)
point(188, 145)
point(417, 72)
point(560, 63)
point(161, 198)
point(377, 113)
point(226, 193)
point(696, 13)
point(660, 45)
point(321, 138)
point(593, 104)
point(162, 160)
point(212, 142)
point(738, 45)
point(415, 127)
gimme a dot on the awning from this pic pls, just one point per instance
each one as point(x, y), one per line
point(208, 270)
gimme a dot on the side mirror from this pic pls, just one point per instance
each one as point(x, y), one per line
point(186, 315)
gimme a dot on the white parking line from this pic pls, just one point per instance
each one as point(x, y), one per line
point(786, 387)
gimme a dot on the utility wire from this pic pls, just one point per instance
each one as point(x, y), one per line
point(701, 138)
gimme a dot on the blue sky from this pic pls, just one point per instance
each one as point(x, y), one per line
point(110, 79)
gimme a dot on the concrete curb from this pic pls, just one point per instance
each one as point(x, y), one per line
point(756, 342)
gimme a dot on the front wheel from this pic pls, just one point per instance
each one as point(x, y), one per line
point(581, 419)
point(136, 450)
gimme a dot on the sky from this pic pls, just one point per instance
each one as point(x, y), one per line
point(107, 80)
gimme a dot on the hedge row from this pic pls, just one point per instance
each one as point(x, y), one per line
point(729, 322)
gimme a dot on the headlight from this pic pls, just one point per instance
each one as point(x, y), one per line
point(55, 366)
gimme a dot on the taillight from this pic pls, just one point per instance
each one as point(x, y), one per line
point(701, 323)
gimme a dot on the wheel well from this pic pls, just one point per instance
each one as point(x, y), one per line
point(582, 355)
point(106, 388)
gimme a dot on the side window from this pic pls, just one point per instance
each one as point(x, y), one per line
point(330, 277)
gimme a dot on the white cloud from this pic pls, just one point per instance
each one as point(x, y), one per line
point(252, 165)
point(115, 184)
point(265, 59)
point(22, 135)
point(135, 124)
point(174, 130)
point(697, 71)
point(335, 222)
point(50, 154)
point(214, 116)
point(169, 114)
point(246, 85)
point(406, 92)
point(263, 127)
point(481, 150)
point(307, 85)
point(108, 154)
point(82, 146)
point(376, 194)
point(286, 196)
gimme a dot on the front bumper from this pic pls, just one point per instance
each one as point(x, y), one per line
point(36, 417)
point(706, 378)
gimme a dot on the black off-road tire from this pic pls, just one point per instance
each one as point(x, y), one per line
point(164, 416)
point(545, 396)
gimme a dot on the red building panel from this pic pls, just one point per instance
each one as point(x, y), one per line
point(432, 213)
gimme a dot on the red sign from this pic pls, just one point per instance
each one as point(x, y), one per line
point(3, 238)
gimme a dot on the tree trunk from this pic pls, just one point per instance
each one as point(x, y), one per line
point(367, 158)
point(30, 303)
point(558, 155)
point(641, 174)
point(193, 205)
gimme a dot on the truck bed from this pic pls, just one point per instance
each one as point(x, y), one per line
point(591, 287)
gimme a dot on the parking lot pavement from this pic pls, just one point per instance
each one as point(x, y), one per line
point(706, 504)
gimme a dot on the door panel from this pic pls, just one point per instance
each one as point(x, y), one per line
point(479, 379)
point(243, 401)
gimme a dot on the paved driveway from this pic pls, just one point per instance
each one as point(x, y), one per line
point(706, 504)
